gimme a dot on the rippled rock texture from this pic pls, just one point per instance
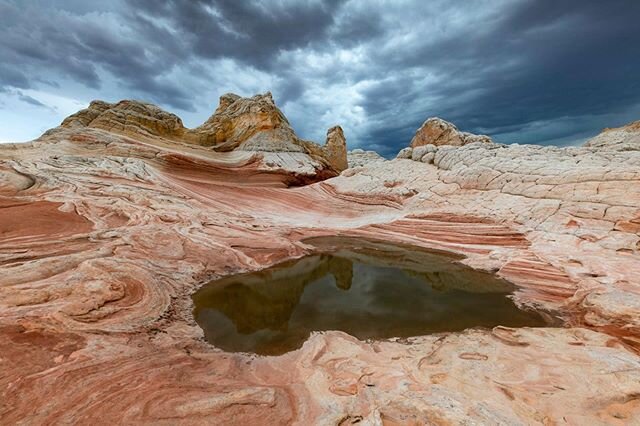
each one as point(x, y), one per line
point(106, 232)
point(359, 157)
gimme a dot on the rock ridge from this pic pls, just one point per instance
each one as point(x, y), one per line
point(252, 124)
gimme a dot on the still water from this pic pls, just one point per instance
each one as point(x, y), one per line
point(273, 311)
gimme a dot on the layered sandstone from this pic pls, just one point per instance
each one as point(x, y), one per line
point(128, 117)
point(253, 124)
point(105, 232)
point(436, 131)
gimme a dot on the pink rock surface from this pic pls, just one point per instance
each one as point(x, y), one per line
point(104, 236)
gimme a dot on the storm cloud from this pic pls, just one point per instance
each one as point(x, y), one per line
point(527, 71)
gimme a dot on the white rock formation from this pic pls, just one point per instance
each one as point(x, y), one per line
point(359, 157)
point(625, 138)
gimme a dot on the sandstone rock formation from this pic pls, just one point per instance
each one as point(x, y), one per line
point(335, 148)
point(241, 124)
point(107, 229)
point(621, 138)
point(128, 117)
point(436, 131)
point(423, 153)
point(359, 157)
point(252, 124)
point(405, 153)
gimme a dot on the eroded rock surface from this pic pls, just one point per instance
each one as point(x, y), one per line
point(625, 138)
point(359, 157)
point(105, 233)
point(253, 124)
point(436, 131)
point(335, 148)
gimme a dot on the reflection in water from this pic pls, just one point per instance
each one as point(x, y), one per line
point(273, 311)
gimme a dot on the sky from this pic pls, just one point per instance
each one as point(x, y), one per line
point(525, 71)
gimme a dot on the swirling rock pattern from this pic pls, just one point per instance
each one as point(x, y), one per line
point(253, 124)
point(104, 234)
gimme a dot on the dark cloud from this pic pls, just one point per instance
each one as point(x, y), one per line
point(30, 100)
point(35, 41)
point(12, 77)
point(527, 70)
point(540, 61)
point(253, 32)
point(290, 89)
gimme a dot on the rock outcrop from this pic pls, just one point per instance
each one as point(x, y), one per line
point(335, 148)
point(436, 131)
point(359, 157)
point(107, 227)
point(128, 117)
point(625, 138)
point(253, 124)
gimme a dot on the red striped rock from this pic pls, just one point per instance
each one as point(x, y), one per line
point(105, 234)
